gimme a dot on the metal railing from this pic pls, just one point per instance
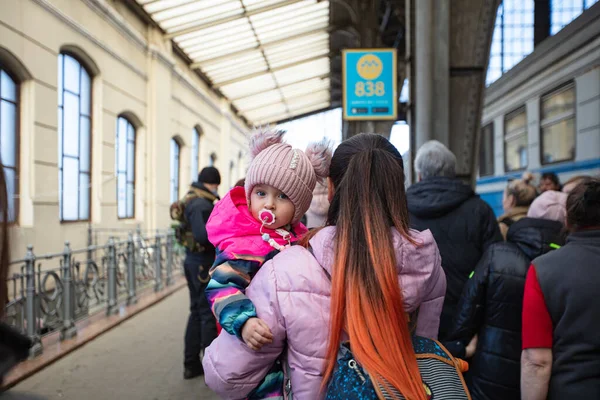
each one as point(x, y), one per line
point(78, 283)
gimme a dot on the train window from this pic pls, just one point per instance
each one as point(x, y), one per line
point(558, 125)
point(515, 140)
point(486, 151)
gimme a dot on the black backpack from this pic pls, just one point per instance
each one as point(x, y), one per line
point(183, 232)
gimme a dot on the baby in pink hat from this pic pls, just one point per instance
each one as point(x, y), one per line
point(253, 221)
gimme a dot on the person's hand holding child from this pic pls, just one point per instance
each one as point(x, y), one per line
point(256, 333)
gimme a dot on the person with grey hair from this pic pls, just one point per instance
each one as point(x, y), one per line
point(463, 225)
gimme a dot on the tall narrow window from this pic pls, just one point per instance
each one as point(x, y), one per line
point(558, 125)
point(213, 159)
point(513, 37)
point(195, 153)
point(563, 12)
point(515, 140)
point(9, 157)
point(486, 151)
point(125, 167)
point(175, 149)
point(74, 133)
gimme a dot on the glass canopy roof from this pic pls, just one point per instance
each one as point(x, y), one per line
point(270, 58)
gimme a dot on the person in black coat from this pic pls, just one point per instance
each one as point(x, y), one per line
point(14, 346)
point(492, 300)
point(201, 328)
point(462, 224)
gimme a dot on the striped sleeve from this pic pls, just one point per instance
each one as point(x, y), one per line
point(230, 276)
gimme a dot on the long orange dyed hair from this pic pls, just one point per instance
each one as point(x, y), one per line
point(366, 300)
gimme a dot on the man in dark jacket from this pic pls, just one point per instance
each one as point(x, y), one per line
point(462, 224)
point(201, 327)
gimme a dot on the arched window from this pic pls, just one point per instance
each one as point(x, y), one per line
point(213, 159)
point(74, 138)
point(9, 156)
point(125, 168)
point(175, 149)
point(195, 153)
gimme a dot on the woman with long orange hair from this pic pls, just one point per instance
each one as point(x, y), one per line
point(365, 278)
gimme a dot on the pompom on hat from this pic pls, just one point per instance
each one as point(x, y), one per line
point(294, 172)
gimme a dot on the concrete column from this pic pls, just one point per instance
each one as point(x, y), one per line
point(441, 76)
point(226, 155)
point(159, 131)
point(27, 155)
point(97, 179)
point(424, 71)
point(432, 32)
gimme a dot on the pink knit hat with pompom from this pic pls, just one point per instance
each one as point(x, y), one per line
point(292, 171)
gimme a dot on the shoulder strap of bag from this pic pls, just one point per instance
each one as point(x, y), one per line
point(202, 194)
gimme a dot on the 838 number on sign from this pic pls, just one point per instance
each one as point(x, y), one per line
point(369, 89)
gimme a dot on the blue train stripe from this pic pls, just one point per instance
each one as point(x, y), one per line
point(557, 168)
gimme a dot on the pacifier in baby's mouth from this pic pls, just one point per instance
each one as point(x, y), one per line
point(266, 217)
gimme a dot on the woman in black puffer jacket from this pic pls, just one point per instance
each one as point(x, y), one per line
point(492, 300)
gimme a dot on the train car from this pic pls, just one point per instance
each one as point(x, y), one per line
point(544, 114)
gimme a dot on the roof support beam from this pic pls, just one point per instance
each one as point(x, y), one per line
point(311, 109)
point(323, 76)
point(258, 47)
point(308, 114)
point(282, 67)
point(262, 51)
point(191, 29)
point(284, 100)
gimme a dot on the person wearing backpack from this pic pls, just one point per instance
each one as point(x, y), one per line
point(192, 213)
point(351, 285)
